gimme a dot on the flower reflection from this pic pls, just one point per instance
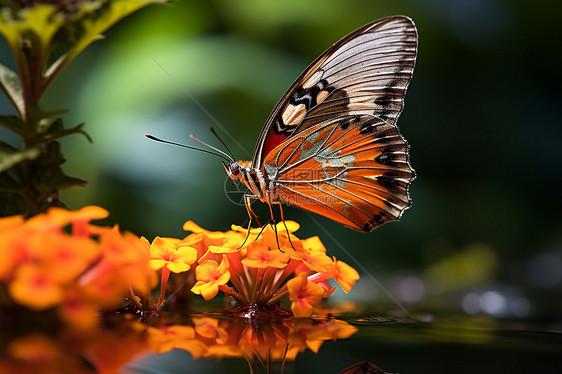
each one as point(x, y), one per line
point(74, 352)
point(111, 349)
point(277, 340)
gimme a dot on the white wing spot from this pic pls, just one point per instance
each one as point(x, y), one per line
point(293, 114)
point(321, 96)
point(314, 78)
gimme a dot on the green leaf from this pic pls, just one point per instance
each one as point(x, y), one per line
point(44, 37)
point(55, 130)
point(15, 124)
point(57, 180)
point(10, 84)
point(10, 156)
point(42, 20)
point(87, 26)
point(48, 174)
point(43, 114)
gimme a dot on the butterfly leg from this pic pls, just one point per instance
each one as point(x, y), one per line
point(248, 205)
point(274, 224)
point(272, 219)
point(284, 224)
point(251, 215)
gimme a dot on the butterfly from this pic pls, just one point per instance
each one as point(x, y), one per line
point(331, 145)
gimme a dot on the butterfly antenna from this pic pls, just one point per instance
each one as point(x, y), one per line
point(220, 154)
point(220, 140)
point(227, 156)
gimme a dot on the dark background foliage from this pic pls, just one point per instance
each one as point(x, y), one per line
point(482, 116)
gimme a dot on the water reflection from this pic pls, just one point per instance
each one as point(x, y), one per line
point(204, 336)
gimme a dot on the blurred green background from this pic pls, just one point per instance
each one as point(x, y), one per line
point(482, 116)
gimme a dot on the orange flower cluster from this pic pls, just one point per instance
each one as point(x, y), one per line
point(76, 270)
point(258, 267)
point(59, 260)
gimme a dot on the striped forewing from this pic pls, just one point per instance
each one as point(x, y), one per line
point(365, 73)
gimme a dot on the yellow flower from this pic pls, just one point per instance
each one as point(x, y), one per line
point(202, 239)
point(171, 253)
point(304, 295)
point(210, 275)
point(280, 237)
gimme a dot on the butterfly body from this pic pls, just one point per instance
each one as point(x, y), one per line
point(331, 145)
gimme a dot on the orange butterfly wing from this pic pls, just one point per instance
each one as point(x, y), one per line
point(354, 171)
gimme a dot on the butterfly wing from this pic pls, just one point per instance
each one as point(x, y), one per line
point(331, 145)
point(354, 171)
point(366, 72)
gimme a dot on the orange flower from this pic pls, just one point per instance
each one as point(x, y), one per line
point(57, 218)
point(345, 275)
point(64, 256)
point(311, 334)
point(270, 237)
point(9, 223)
point(35, 288)
point(171, 253)
point(209, 328)
point(210, 275)
point(261, 268)
point(165, 339)
point(77, 310)
point(78, 269)
point(124, 264)
point(304, 295)
point(314, 255)
point(13, 249)
point(260, 256)
point(35, 349)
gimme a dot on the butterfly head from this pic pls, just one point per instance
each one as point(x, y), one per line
point(232, 170)
point(237, 169)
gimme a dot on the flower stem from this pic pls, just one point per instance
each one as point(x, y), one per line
point(164, 281)
point(229, 291)
point(283, 291)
